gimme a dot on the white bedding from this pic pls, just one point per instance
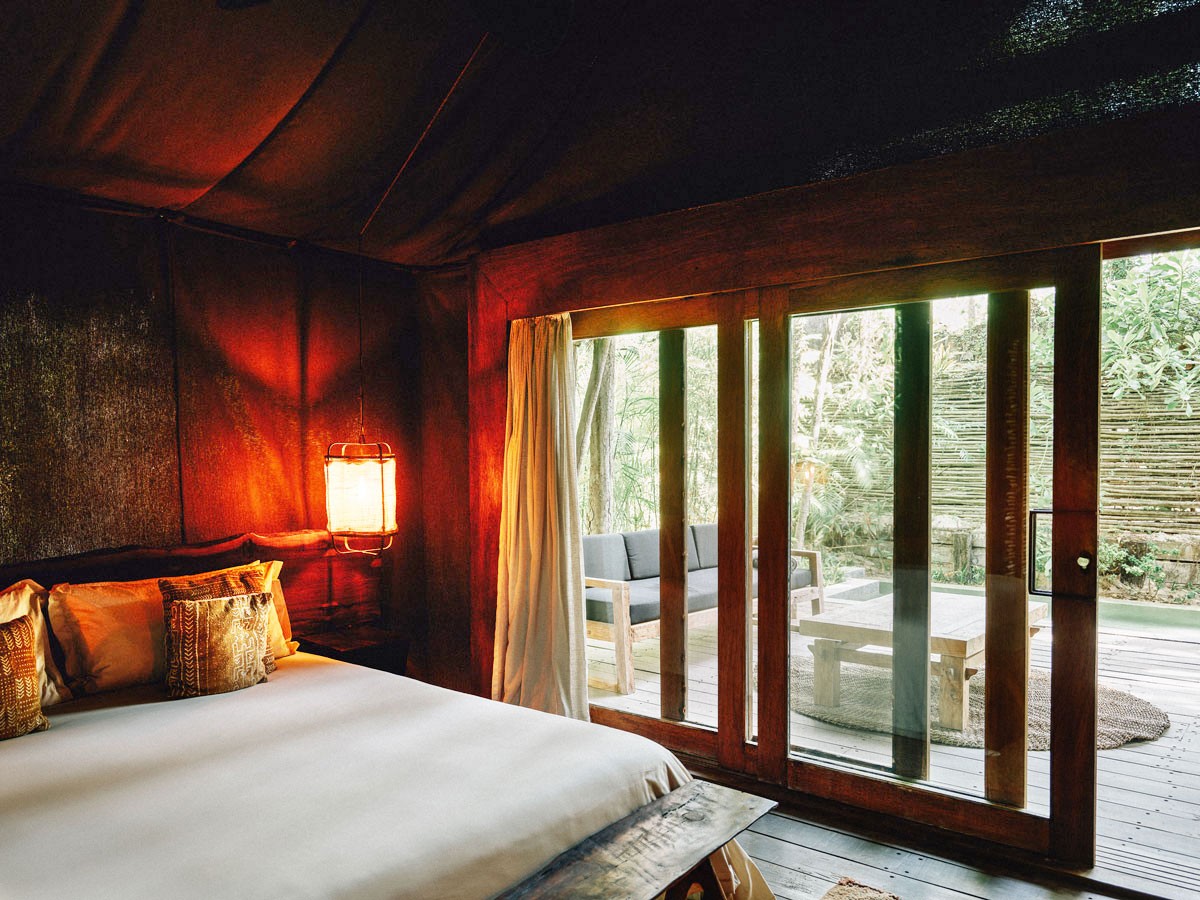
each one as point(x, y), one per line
point(329, 780)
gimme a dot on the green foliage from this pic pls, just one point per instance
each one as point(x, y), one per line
point(1115, 559)
point(968, 574)
point(1151, 317)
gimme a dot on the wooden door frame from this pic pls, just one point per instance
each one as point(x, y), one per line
point(728, 312)
point(1074, 272)
point(1065, 834)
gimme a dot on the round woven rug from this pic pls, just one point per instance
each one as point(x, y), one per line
point(867, 695)
point(849, 889)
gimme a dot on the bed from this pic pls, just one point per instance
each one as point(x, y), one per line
point(326, 780)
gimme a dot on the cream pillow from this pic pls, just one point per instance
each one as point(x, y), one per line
point(28, 598)
point(112, 631)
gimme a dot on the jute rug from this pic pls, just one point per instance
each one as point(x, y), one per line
point(849, 889)
point(866, 704)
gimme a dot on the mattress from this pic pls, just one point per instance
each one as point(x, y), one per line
point(329, 780)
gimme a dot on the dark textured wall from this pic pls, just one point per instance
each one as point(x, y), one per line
point(160, 385)
point(87, 411)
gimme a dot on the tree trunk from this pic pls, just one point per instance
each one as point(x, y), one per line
point(594, 439)
point(600, 482)
point(832, 323)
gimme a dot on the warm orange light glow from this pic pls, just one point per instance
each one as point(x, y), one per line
point(360, 490)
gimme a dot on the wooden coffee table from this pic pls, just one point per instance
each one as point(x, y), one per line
point(862, 633)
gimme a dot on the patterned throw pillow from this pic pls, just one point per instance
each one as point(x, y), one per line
point(217, 645)
point(214, 585)
point(20, 692)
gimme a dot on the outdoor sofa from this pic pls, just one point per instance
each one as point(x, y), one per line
point(621, 579)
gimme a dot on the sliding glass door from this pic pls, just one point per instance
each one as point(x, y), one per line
point(916, 426)
point(853, 513)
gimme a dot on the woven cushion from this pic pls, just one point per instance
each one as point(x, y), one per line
point(252, 578)
point(214, 585)
point(217, 645)
point(20, 693)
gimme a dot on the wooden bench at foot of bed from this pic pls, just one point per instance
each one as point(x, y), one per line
point(662, 847)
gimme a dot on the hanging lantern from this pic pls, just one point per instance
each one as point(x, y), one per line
point(360, 494)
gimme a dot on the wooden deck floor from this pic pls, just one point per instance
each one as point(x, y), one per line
point(1149, 794)
point(801, 860)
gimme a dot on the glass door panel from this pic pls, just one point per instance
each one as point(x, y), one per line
point(842, 393)
point(925, 436)
point(700, 486)
point(617, 395)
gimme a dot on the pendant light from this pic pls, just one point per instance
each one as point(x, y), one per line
point(360, 477)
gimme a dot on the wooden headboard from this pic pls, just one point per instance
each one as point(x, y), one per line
point(324, 590)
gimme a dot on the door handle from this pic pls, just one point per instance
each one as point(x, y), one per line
point(1031, 560)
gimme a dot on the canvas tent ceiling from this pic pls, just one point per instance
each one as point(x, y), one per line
point(495, 122)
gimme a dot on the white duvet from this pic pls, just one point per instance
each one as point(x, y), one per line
point(329, 780)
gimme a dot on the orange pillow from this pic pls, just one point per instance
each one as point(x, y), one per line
point(112, 632)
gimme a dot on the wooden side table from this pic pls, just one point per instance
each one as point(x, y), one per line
point(363, 645)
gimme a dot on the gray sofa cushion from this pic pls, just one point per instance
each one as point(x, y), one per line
point(705, 538)
point(642, 549)
point(693, 555)
point(704, 582)
point(604, 557)
point(644, 600)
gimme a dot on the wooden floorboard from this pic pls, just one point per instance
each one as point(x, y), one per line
point(801, 860)
point(1148, 827)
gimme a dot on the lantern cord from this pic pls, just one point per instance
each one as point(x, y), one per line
point(362, 378)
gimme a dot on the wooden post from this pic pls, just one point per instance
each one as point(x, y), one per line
point(733, 574)
point(1007, 512)
point(672, 449)
point(1073, 555)
point(774, 493)
point(911, 542)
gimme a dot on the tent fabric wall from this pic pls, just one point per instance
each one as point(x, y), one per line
point(474, 124)
point(102, 316)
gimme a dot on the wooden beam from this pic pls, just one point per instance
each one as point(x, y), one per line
point(1013, 827)
point(1073, 556)
point(1005, 569)
point(643, 854)
point(1018, 271)
point(487, 407)
point(774, 498)
point(1139, 175)
point(633, 318)
point(911, 542)
point(1151, 243)
point(672, 456)
point(733, 573)
point(695, 740)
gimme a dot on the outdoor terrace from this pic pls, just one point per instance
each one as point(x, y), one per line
point(1148, 828)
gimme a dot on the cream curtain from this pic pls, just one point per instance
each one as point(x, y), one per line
point(539, 659)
